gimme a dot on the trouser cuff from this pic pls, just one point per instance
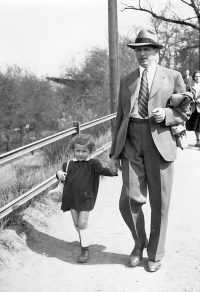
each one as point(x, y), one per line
point(155, 258)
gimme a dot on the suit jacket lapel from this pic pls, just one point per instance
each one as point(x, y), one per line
point(158, 81)
point(133, 85)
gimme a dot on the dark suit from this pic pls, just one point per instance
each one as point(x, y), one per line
point(147, 151)
point(188, 81)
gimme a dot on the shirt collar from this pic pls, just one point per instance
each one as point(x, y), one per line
point(75, 159)
point(151, 69)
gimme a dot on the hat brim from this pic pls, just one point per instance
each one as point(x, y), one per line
point(133, 46)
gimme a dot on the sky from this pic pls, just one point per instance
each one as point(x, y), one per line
point(46, 36)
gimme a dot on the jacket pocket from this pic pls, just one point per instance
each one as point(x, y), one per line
point(88, 195)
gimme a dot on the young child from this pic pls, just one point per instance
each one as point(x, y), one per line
point(81, 185)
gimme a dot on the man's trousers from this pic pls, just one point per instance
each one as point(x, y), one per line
point(144, 171)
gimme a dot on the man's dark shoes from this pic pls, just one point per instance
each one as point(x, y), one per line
point(84, 256)
point(137, 255)
point(154, 266)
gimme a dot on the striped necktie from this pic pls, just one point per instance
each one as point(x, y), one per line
point(143, 96)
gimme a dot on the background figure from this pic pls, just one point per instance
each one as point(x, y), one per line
point(193, 124)
point(187, 78)
point(143, 147)
point(81, 184)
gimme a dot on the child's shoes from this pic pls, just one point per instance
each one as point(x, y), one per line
point(84, 256)
point(197, 144)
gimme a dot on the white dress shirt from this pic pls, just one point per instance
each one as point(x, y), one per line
point(196, 86)
point(150, 75)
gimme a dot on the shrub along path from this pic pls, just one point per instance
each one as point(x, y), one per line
point(39, 252)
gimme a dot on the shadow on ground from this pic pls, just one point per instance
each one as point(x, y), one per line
point(50, 246)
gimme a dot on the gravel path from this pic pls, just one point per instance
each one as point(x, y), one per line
point(42, 252)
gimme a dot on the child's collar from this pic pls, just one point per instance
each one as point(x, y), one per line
point(75, 159)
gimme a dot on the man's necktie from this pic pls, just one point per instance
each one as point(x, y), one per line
point(143, 96)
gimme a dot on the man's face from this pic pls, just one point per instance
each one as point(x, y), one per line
point(146, 55)
point(187, 72)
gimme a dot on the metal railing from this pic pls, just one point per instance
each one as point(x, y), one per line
point(8, 156)
point(11, 155)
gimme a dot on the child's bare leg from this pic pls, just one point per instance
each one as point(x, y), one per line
point(83, 226)
point(75, 217)
point(83, 219)
point(85, 236)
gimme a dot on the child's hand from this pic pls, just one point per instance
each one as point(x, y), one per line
point(114, 165)
point(115, 170)
point(61, 175)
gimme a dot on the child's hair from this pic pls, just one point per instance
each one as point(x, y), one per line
point(83, 139)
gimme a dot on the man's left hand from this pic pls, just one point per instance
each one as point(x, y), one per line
point(159, 114)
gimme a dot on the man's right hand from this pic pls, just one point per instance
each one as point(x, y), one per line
point(114, 165)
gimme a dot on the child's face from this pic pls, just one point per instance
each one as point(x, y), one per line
point(81, 152)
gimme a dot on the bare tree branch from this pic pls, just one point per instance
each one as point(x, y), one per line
point(176, 19)
point(189, 47)
point(196, 9)
point(186, 3)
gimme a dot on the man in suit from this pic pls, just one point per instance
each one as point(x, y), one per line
point(187, 78)
point(144, 149)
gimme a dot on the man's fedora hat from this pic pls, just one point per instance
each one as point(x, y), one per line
point(145, 38)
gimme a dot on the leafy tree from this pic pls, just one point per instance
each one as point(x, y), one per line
point(87, 97)
point(127, 59)
point(169, 14)
point(7, 109)
point(179, 51)
point(27, 103)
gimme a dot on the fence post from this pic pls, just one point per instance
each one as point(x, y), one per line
point(77, 126)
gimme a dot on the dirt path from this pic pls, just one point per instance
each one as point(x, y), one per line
point(40, 255)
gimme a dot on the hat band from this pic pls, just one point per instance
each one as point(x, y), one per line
point(145, 40)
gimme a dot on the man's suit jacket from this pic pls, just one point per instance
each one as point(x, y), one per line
point(165, 83)
point(188, 81)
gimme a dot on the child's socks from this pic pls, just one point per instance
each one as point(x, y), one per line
point(85, 237)
point(78, 231)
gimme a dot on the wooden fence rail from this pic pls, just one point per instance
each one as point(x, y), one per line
point(11, 155)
